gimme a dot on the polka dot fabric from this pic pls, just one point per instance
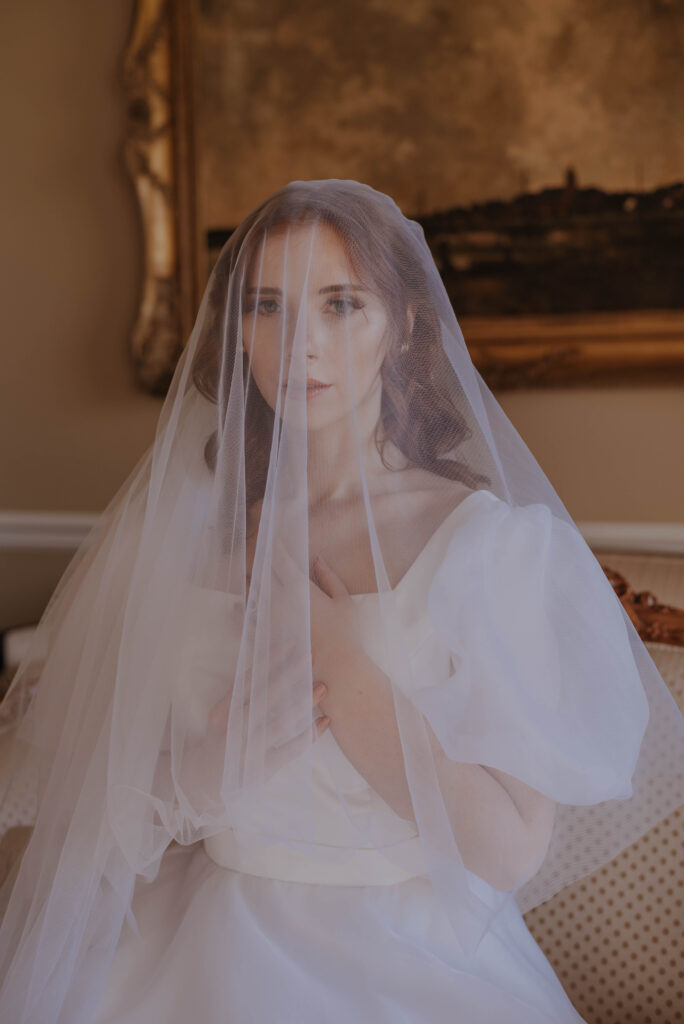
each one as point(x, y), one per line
point(616, 937)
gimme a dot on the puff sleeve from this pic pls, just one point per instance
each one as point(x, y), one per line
point(544, 683)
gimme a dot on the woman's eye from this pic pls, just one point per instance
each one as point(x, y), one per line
point(264, 307)
point(341, 307)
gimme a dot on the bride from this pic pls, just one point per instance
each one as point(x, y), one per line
point(334, 691)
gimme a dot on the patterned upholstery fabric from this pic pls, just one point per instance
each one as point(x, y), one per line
point(616, 937)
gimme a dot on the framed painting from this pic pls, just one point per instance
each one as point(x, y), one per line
point(553, 283)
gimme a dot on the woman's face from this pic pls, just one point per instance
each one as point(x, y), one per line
point(308, 292)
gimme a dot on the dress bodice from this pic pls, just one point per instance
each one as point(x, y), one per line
point(334, 776)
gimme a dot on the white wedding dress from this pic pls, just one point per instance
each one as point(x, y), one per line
point(242, 934)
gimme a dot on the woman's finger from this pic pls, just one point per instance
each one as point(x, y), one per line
point(319, 692)
point(328, 578)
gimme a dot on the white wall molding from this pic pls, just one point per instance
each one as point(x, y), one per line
point(35, 531)
point(637, 538)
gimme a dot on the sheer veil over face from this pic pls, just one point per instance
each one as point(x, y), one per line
point(337, 306)
point(326, 405)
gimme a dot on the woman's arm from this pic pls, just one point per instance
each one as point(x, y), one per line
point(501, 825)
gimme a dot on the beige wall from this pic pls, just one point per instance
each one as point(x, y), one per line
point(611, 453)
point(71, 421)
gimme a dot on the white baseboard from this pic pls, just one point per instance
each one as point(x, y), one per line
point(635, 538)
point(35, 531)
point(38, 531)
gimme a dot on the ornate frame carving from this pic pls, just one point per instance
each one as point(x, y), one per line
point(654, 622)
point(587, 348)
point(510, 352)
point(159, 153)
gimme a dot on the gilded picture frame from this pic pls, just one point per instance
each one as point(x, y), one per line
point(511, 351)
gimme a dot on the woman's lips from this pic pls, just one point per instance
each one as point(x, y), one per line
point(312, 388)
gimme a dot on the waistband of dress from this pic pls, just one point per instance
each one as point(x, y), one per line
point(362, 866)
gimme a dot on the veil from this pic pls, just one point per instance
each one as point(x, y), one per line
point(490, 714)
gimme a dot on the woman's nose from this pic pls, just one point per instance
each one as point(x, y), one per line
point(312, 344)
point(313, 336)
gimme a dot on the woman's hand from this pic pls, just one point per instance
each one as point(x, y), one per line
point(335, 647)
point(335, 625)
point(283, 717)
point(336, 642)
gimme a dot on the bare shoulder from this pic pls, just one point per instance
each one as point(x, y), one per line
point(433, 493)
point(417, 502)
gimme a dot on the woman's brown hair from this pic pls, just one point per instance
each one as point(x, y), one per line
point(416, 373)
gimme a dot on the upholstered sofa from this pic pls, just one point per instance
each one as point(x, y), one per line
point(615, 937)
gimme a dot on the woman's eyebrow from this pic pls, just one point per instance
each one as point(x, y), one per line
point(342, 288)
point(265, 290)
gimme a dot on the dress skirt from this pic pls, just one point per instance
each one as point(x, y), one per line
point(220, 946)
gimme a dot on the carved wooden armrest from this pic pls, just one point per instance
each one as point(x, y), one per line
point(655, 622)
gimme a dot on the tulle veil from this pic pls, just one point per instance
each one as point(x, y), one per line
point(324, 402)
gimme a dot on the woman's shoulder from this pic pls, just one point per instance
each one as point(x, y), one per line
point(430, 491)
point(440, 499)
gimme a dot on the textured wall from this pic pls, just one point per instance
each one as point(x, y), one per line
point(437, 103)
